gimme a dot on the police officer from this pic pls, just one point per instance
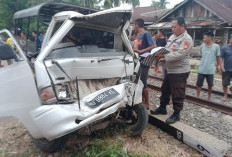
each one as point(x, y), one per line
point(178, 68)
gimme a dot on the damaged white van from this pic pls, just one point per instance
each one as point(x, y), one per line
point(85, 77)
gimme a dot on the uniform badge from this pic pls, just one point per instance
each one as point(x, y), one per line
point(186, 45)
point(140, 43)
point(174, 48)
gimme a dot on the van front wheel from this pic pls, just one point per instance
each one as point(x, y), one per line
point(136, 118)
point(51, 146)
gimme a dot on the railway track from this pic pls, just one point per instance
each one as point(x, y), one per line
point(199, 139)
point(201, 102)
point(192, 86)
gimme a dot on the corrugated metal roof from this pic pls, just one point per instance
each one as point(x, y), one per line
point(139, 11)
point(221, 8)
point(200, 23)
point(204, 23)
point(163, 25)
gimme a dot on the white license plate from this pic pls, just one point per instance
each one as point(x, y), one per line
point(103, 97)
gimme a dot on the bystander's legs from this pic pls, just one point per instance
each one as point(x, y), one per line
point(209, 93)
point(225, 97)
point(198, 91)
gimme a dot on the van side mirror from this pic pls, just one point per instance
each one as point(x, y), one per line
point(7, 52)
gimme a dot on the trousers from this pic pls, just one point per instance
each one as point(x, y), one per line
point(174, 85)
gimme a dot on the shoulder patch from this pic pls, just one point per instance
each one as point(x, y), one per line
point(186, 45)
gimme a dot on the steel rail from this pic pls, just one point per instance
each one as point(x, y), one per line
point(193, 87)
point(201, 102)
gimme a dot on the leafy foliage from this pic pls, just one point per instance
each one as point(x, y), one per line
point(9, 7)
point(160, 3)
point(86, 3)
point(115, 3)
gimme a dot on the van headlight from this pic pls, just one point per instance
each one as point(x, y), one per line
point(60, 93)
point(47, 95)
point(63, 93)
point(127, 79)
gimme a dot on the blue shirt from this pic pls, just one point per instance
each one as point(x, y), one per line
point(145, 40)
point(209, 56)
point(40, 38)
point(226, 54)
point(1, 41)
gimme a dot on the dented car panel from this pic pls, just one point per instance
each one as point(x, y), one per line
point(91, 68)
point(68, 114)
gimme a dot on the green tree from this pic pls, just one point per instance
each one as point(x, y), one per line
point(86, 3)
point(115, 3)
point(160, 3)
point(9, 7)
point(134, 3)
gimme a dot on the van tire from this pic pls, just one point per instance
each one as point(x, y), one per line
point(142, 119)
point(51, 146)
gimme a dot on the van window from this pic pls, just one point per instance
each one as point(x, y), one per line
point(85, 36)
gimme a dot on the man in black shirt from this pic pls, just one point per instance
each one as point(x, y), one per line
point(160, 42)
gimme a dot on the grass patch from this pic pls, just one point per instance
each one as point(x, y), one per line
point(102, 144)
point(194, 71)
point(110, 131)
point(101, 148)
point(13, 128)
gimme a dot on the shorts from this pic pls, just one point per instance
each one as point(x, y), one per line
point(201, 78)
point(226, 76)
point(144, 75)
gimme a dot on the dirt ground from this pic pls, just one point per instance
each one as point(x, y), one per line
point(15, 141)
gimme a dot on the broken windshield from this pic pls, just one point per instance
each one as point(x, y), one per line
point(87, 42)
point(84, 36)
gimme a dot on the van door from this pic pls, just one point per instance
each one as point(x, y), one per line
point(17, 84)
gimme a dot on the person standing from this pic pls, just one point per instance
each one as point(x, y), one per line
point(36, 40)
point(156, 63)
point(156, 35)
point(226, 68)
point(1, 42)
point(133, 38)
point(145, 44)
point(41, 36)
point(160, 42)
point(210, 52)
point(179, 46)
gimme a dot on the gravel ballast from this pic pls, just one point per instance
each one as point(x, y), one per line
point(206, 120)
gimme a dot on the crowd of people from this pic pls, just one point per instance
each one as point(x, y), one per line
point(22, 40)
point(175, 64)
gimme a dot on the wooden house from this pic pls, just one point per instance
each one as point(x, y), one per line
point(201, 16)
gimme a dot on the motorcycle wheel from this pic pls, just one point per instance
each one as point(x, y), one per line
point(51, 146)
point(139, 119)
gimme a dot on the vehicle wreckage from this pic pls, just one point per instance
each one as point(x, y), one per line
point(85, 77)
